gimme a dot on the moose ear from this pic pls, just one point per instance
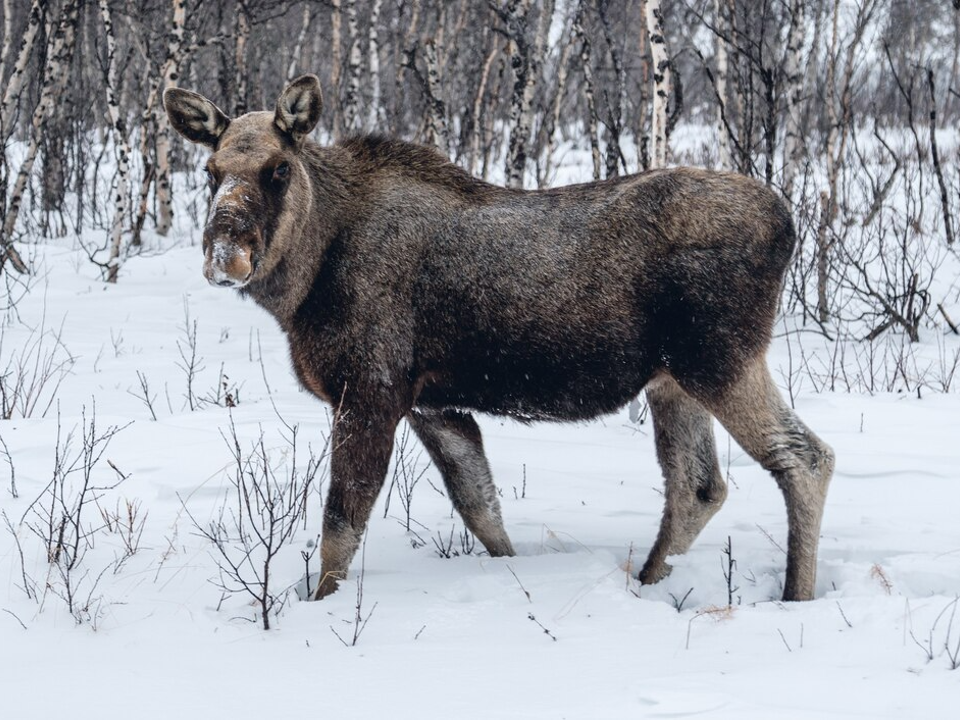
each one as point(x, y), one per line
point(298, 107)
point(195, 117)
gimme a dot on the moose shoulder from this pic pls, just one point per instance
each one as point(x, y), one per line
point(409, 289)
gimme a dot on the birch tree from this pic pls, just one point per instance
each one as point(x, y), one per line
point(11, 93)
point(793, 78)
point(661, 81)
point(586, 63)
point(121, 146)
point(155, 115)
point(723, 131)
point(526, 61)
point(60, 49)
point(293, 66)
point(351, 94)
point(375, 114)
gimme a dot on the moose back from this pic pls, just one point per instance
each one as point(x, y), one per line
point(409, 289)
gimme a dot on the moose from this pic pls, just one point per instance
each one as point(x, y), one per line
point(409, 289)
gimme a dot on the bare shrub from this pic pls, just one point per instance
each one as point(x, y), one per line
point(31, 378)
point(267, 501)
point(408, 469)
point(61, 520)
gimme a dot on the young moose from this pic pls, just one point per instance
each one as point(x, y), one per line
point(409, 289)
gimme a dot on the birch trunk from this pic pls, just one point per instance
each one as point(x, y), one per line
point(526, 62)
point(586, 62)
point(120, 145)
point(7, 48)
point(436, 111)
point(298, 47)
point(552, 120)
point(169, 76)
point(793, 138)
point(478, 105)
point(375, 115)
point(240, 60)
point(661, 81)
point(404, 44)
point(351, 95)
point(725, 160)
point(8, 106)
point(59, 54)
point(336, 64)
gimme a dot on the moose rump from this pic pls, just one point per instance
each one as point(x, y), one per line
point(409, 289)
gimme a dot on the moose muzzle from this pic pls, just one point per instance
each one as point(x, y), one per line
point(231, 238)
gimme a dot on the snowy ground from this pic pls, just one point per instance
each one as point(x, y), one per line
point(561, 631)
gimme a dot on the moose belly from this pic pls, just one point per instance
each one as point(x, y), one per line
point(561, 386)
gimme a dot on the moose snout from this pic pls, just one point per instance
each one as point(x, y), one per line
point(227, 263)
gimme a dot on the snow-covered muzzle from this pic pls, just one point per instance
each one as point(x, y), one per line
point(232, 238)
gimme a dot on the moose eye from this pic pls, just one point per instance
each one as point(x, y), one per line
point(282, 172)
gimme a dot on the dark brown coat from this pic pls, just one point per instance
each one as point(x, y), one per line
point(409, 289)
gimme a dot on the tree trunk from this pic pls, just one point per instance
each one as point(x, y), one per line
point(240, 60)
point(375, 114)
point(8, 106)
point(351, 95)
point(724, 158)
point(120, 145)
point(526, 62)
point(478, 106)
point(58, 57)
point(586, 62)
point(336, 64)
point(552, 120)
point(661, 81)
point(169, 76)
point(793, 72)
point(293, 67)
point(436, 110)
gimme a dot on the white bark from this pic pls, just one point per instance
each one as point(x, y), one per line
point(436, 112)
point(478, 103)
point(553, 120)
point(7, 48)
point(661, 81)
point(11, 93)
point(586, 63)
point(793, 138)
point(169, 76)
point(351, 95)
point(521, 60)
point(292, 68)
point(336, 64)
point(375, 114)
point(725, 160)
point(240, 60)
point(402, 49)
point(120, 144)
point(59, 53)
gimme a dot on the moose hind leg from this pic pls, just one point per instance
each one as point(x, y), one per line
point(453, 442)
point(694, 487)
point(755, 414)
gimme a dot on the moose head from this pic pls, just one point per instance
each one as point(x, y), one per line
point(261, 191)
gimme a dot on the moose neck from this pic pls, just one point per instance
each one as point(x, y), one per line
point(334, 191)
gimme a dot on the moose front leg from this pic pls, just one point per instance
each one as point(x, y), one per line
point(361, 454)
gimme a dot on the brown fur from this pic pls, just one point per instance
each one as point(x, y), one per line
point(409, 289)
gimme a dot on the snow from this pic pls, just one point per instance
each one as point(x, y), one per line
point(560, 631)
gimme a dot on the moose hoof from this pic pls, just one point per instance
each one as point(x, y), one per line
point(328, 585)
point(654, 573)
